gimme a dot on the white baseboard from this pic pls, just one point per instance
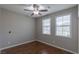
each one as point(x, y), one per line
point(16, 45)
point(38, 41)
point(57, 47)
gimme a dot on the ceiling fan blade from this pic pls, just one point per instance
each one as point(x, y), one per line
point(27, 10)
point(40, 14)
point(43, 10)
point(32, 14)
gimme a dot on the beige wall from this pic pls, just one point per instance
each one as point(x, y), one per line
point(66, 43)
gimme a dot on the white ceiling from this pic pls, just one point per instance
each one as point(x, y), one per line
point(19, 8)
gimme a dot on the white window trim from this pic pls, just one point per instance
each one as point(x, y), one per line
point(50, 25)
point(64, 25)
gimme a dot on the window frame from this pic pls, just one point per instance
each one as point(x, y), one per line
point(70, 26)
point(43, 26)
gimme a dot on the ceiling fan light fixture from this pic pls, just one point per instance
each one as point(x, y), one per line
point(36, 12)
point(36, 9)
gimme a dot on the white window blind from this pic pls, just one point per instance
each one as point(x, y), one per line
point(46, 26)
point(63, 26)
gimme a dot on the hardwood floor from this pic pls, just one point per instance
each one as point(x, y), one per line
point(34, 48)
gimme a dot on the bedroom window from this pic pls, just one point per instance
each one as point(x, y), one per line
point(46, 26)
point(63, 25)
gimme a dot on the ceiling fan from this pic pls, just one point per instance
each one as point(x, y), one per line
point(36, 10)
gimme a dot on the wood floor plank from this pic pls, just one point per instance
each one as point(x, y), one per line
point(34, 48)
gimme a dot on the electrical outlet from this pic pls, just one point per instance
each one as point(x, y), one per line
point(10, 32)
